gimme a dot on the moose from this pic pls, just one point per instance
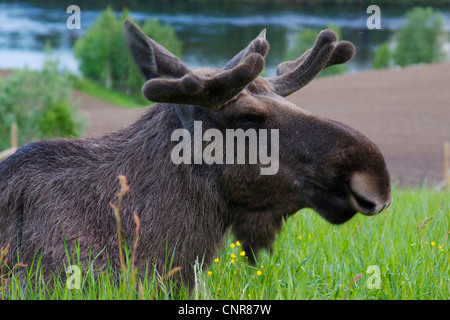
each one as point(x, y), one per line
point(55, 194)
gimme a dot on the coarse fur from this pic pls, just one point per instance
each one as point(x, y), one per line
point(55, 194)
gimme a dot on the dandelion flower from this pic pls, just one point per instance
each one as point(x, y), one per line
point(259, 272)
point(262, 267)
point(301, 238)
point(238, 243)
point(232, 245)
point(433, 243)
point(216, 260)
point(209, 273)
point(233, 255)
point(309, 236)
point(242, 254)
point(232, 261)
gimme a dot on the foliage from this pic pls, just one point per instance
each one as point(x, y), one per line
point(40, 103)
point(312, 259)
point(103, 53)
point(421, 39)
point(305, 40)
point(382, 57)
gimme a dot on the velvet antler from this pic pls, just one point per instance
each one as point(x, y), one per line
point(259, 45)
point(293, 75)
point(169, 80)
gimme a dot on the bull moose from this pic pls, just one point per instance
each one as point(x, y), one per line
point(54, 194)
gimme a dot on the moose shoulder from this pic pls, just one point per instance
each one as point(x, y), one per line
point(54, 194)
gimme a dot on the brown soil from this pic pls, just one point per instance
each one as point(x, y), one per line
point(103, 117)
point(405, 112)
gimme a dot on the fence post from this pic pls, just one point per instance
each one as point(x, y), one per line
point(447, 164)
point(14, 142)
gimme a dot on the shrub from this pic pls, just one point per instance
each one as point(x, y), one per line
point(421, 39)
point(103, 55)
point(40, 103)
point(382, 57)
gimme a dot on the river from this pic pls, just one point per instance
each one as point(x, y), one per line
point(211, 34)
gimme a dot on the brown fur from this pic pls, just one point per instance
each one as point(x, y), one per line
point(55, 192)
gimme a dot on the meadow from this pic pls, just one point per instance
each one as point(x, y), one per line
point(401, 254)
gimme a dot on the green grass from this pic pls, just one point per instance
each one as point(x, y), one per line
point(110, 95)
point(315, 260)
point(312, 260)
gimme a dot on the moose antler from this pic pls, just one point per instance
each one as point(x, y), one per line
point(258, 45)
point(169, 80)
point(206, 91)
point(293, 75)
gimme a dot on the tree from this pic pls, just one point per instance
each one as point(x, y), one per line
point(104, 56)
point(421, 39)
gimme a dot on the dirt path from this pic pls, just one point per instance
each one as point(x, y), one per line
point(103, 117)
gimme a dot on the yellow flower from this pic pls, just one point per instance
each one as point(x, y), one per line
point(232, 261)
point(309, 236)
point(259, 272)
point(238, 243)
point(209, 273)
point(301, 238)
point(232, 245)
point(262, 267)
point(242, 254)
point(233, 255)
point(216, 260)
point(433, 243)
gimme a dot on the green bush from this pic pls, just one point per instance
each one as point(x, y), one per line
point(421, 39)
point(104, 57)
point(382, 57)
point(40, 103)
point(305, 40)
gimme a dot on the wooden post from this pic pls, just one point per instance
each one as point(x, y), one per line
point(447, 164)
point(14, 142)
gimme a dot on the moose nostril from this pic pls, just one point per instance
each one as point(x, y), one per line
point(365, 205)
point(368, 196)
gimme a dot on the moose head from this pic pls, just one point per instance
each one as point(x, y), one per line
point(323, 164)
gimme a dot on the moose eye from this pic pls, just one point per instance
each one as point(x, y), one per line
point(248, 119)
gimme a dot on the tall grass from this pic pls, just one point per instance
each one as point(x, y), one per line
point(312, 259)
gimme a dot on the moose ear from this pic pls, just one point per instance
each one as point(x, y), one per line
point(153, 59)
